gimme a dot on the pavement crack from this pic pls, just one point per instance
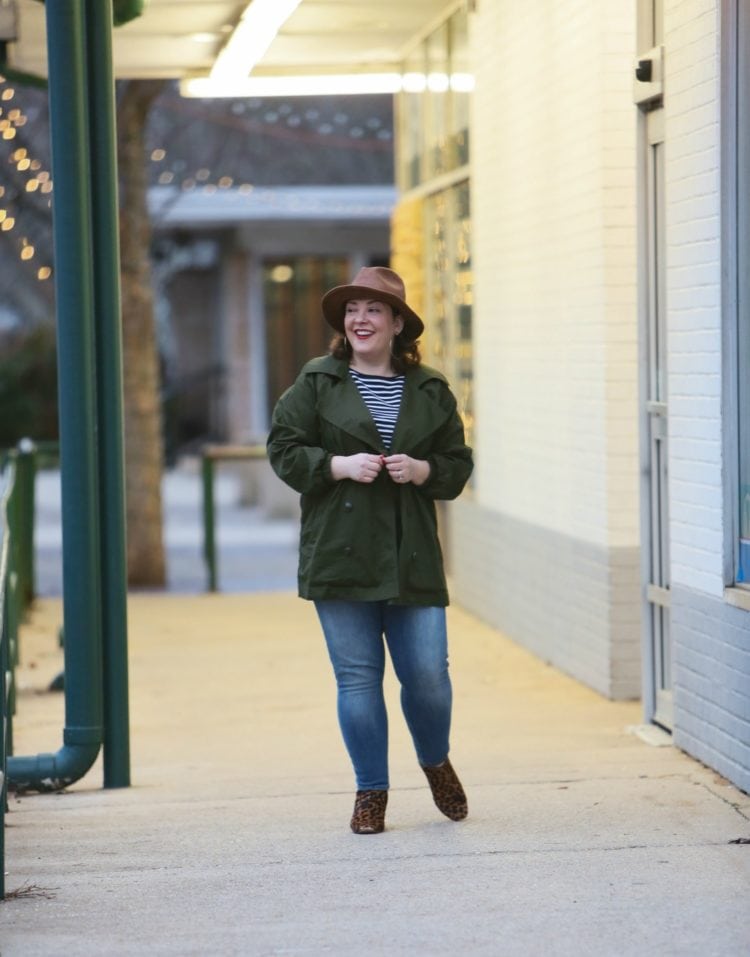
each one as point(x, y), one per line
point(725, 800)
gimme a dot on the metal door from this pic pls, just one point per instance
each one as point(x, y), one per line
point(657, 678)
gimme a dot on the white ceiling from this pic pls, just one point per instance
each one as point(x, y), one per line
point(178, 38)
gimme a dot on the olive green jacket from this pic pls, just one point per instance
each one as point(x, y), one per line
point(378, 541)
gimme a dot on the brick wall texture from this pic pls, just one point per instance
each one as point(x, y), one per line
point(710, 639)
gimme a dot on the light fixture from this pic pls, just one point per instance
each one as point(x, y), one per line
point(316, 85)
point(252, 36)
point(326, 84)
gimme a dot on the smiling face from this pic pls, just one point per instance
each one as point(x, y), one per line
point(370, 326)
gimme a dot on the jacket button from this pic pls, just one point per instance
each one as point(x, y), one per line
point(413, 556)
point(348, 550)
point(348, 506)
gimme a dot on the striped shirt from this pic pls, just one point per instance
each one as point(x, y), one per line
point(382, 396)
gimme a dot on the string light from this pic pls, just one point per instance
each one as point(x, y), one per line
point(12, 120)
point(158, 155)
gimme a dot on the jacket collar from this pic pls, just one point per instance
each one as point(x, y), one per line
point(420, 414)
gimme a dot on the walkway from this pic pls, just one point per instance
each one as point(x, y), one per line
point(254, 554)
point(582, 839)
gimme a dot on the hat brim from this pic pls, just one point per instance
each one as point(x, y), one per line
point(335, 299)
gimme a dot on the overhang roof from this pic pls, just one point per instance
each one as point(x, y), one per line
point(180, 38)
point(171, 207)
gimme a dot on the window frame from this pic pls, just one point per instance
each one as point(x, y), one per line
point(735, 249)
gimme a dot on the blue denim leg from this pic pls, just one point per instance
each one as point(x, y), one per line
point(354, 635)
point(418, 644)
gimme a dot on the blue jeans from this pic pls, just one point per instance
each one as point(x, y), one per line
point(418, 644)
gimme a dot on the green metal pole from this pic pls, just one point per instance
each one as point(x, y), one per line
point(105, 226)
point(11, 625)
point(209, 521)
point(25, 477)
point(74, 295)
point(15, 531)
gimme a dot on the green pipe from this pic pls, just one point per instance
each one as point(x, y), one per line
point(105, 231)
point(82, 735)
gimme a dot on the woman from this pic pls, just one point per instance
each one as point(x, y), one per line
point(370, 438)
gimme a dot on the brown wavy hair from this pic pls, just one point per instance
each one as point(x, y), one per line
point(404, 352)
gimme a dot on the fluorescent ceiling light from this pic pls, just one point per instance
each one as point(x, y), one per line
point(318, 85)
point(332, 84)
point(252, 36)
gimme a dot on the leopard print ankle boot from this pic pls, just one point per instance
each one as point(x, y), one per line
point(447, 792)
point(369, 812)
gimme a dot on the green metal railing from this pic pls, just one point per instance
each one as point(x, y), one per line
point(210, 456)
point(18, 469)
point(82, 132)
point(9, 615)
point(79, 57)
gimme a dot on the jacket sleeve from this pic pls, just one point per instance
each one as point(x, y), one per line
point(294, 445)
point(450, 459)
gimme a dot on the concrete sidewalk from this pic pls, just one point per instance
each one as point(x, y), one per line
point(254, 552)
point(582, 839)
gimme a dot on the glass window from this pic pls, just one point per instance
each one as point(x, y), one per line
point(461, 82)
point(411, 105)
point(436, 94)
point(434, 105)
point(434, 141)
point(450, 293)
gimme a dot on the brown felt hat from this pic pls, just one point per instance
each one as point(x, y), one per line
point(372, 282)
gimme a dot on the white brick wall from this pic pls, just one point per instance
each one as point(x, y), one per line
point(692, 105)
point(549, 543)
point(555, 278)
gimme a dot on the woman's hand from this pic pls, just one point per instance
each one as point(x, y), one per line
point(403, 468)
point(362, 467)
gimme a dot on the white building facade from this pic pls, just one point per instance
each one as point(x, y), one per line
point(576, 239)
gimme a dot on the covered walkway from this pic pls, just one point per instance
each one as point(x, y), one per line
point(582, 838)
